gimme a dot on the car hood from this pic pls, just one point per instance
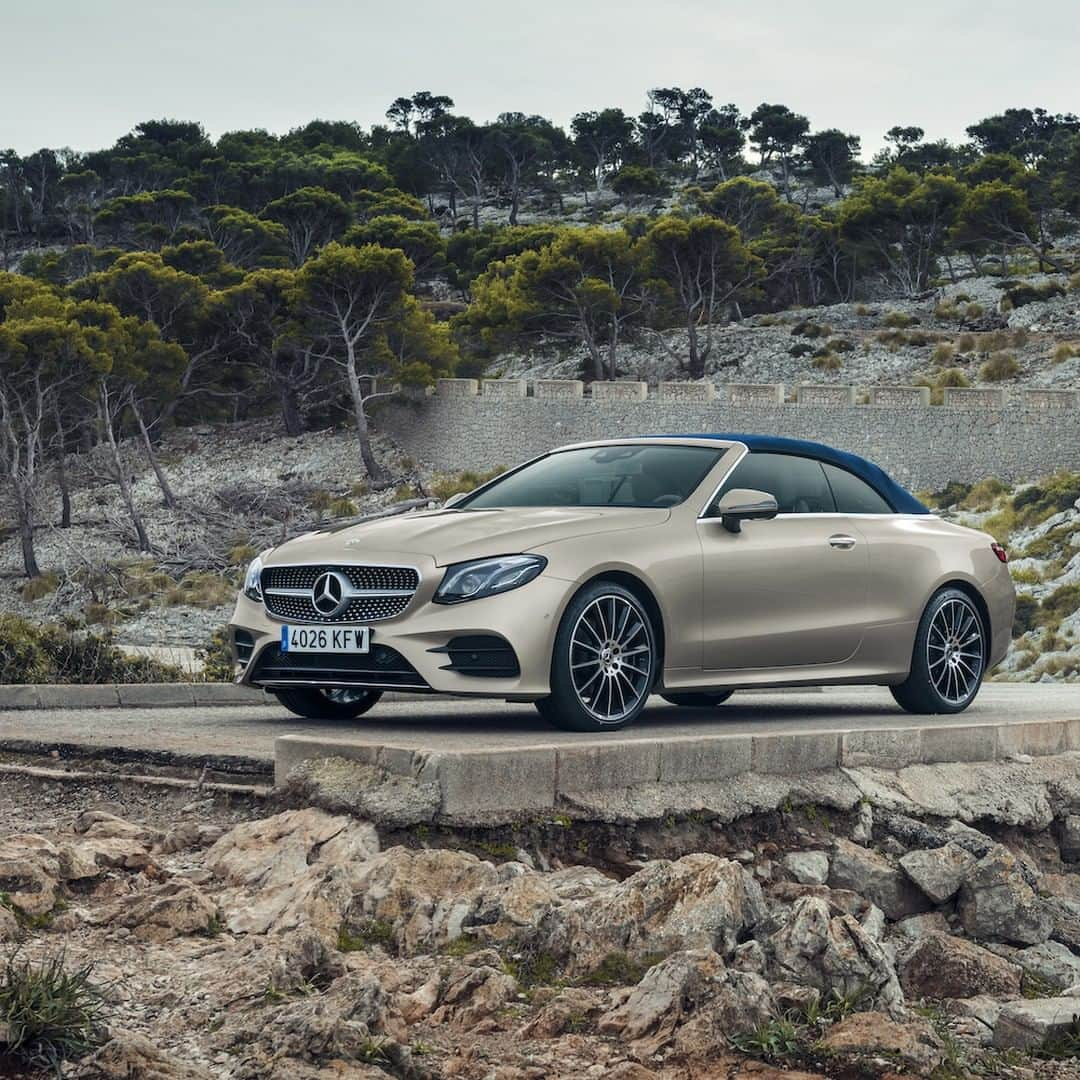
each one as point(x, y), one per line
point(449, 536)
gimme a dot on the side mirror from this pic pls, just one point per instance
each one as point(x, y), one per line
point(745, 504)
point(454, 499)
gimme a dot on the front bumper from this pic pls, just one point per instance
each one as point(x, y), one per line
point(409, 651)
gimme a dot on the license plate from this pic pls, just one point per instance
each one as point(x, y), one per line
point(328, 639)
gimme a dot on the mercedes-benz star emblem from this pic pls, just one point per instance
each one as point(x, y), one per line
point(328, 594)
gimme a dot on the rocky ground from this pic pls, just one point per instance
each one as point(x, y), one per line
point(233, 941)
point(962, 326)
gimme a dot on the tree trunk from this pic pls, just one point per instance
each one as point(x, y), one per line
point(122, 482)
point(24, 512)
point(363, 434)
point(65, 490)
point(168, 498)
point(290, 411)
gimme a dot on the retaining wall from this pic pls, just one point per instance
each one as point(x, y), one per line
point(1015, 434)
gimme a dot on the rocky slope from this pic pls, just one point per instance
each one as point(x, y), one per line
point(304, 945)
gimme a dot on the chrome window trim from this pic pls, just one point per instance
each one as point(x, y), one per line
point(703, 512)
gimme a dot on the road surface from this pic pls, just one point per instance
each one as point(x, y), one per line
point(448, 723)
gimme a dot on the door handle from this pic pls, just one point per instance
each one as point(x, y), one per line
point(842, 541)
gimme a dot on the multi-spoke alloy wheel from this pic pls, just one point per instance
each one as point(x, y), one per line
point(949, 658)
point(604, 663)
point(954, 650)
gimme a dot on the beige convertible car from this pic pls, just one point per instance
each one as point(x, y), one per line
point(596, 575)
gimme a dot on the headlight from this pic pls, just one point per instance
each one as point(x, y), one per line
point(486, 577)
point(253, 580)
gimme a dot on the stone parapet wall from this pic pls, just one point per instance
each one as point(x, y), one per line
point(1034, 434)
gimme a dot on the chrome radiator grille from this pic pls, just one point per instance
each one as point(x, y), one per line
point(364, 593)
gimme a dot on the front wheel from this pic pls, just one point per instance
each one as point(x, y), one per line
point(698, 699)
point(339, 704)
point(605, 661)
point(949, 657)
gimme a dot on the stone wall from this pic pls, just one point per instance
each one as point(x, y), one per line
point(1018, 435)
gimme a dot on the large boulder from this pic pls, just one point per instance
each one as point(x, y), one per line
point(942, 966)
point(997, 903)
point(740, 1001)
point(700, 901)
point(1025, 1025)
point(1052, 962)
point(865, 1038)
point(827, 952)
point(29, 873)
point(874, 877)
point(172, 909)
point(127, 1055)
point(420, 900)
point(475, 989)
point(938, 872)
point(668, 993)
point(807, 867)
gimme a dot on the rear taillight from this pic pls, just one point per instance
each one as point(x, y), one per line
point(1000, 552)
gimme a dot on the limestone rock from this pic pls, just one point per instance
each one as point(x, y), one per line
point(1052, 962)
point(29, 872)
point(165, 911)
point(829, 953)
point(476, 989)
point(807, 867)
point(189, 834)
point(278, 850)
point(100, 825)
point(1028, 1024)
point(997, 904)
point(938, 872)
point(740, 1001)
point(874, 877)
point(9, 925)
point(914, 1043)
point(915, 927)
point(569, 1010)
point(668, 992)
point(1069, 838)
point(942, 966)
point(130, 1055)
point(697, 902)
point(424, 897)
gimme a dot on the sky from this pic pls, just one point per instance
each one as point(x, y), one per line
point(81, 73)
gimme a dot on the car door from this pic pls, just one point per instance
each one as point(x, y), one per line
point(787, 592)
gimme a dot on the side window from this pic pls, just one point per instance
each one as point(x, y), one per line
point(852, 495)
point(797, 483)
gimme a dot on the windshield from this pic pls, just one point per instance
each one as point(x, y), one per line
point(649, 475)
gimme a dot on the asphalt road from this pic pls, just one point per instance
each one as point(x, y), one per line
point(447, 723)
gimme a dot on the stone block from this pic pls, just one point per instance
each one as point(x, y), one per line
point(156, 695)
point(455, 388)
point(1044, 398)
point(504, 389)
point(615, 765)
point(796, 753)
point(19, 697)
point(687, 391)
point(558, 389)
point(229, 694)
point(975, 397)
point(1037, 738)
point(968, 742)
point(755, 393)
point(475, 783)
point(900, 396)
point(79, 697)
point(692, 759)
point(825, 395)
point(881, 748)
point(619, 391)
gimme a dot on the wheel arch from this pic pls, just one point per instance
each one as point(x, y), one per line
point(972, 592)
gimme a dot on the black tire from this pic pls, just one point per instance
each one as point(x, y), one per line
point(948, 660)
point(315, 704)
point(698, 699)
point(626, 664)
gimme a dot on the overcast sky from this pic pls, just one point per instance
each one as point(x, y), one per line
point(80, 74)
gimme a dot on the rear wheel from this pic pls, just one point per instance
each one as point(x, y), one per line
point(340, 704)
point(604, 663)
point(698, 699)
point(949, 657)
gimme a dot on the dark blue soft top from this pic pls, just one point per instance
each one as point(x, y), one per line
point(901, 500)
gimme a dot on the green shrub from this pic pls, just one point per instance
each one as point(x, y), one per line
point(952, 494)
point(999, 367)
point(943, 354)
point(442, 487)
point(826, 361)
point(1026, 614)
point(898, 320)
point(217, 658)
point(1021, 294)
point(618, 969)
point(947, 310)
point(1062, 602)
point(984, 494)
point(342, 508)
point(1037, 502)
point(58, 654)
point(51, 1014)
point(809, 329)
